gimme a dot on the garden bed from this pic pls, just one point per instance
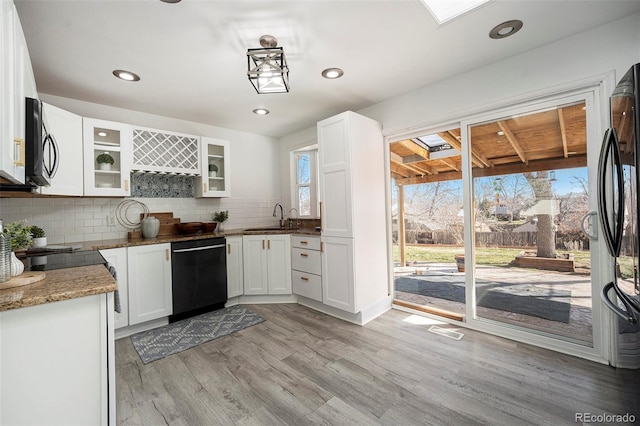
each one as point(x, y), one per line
point(562, 263)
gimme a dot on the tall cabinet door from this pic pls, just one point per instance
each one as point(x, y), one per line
point(254, 258)
point(66, 129)
point(338, 285)
point(335, 176)
point(149, 282)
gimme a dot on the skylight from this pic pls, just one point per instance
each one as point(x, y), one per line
point(446, 10)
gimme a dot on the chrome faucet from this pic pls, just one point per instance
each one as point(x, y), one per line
point(281, 214)
point(291, 218)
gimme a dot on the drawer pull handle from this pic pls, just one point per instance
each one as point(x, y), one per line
point(304, 242)
point(228, 248)
point(262, 244)
point(304, 278)
point(168, 254)
point(304, 255)
point(269, 244)
point(18, 152)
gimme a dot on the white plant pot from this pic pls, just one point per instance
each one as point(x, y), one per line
point(105, 166)
point(39, 242)
point(213, 174)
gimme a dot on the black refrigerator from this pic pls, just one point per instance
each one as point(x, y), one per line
point(618, 207)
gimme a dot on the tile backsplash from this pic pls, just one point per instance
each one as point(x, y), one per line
point(67, 220)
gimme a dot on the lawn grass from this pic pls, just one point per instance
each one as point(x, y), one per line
point(492, 256)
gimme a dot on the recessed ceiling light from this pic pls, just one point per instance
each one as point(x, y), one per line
point(332, 73)
point(500, 133)
point(102, 134)
point(261, 111)
point(126, 75)
point(170, 1)
point(505, 29)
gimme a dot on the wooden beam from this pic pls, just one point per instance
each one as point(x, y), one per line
point(563, 133)
point(533, 166)
point(450, 163)
point(512, 140)
point(477, 158)
point(416, 169)
point(415, 148)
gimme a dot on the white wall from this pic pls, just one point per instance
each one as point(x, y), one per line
point(255, 184)
point(254, 158)
point(615, 46)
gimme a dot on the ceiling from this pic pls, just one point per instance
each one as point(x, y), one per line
point(552, 139)
point(191, 55)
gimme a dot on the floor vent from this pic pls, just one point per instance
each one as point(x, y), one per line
point(446, 332)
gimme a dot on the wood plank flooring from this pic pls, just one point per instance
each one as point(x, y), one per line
point(302, 367)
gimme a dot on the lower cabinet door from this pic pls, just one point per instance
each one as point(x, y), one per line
point(149, 282)
point(235, 273)
point(337, 274)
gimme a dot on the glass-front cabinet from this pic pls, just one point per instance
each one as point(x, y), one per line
point(215, 173)
point(107, 158)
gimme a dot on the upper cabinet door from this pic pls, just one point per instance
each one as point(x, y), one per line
point(334, 152)
point(215, 172)
point(63, 152)
point(107, 158)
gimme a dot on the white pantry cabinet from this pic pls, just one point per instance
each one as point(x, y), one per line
point(355, 272)
point(16, 82)
point(215, 172)
point(267, 264)
point(57, 363)
point(235, 273)
point(149, 281)
point(114, 139)
point(117, 257)
point(66, 128)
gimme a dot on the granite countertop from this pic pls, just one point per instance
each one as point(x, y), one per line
point(71, 283)
point(59, 284)
point(126, 242)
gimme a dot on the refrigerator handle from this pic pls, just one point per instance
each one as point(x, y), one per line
point(619, 220)
point(604, 295)
point(590, 231)
point(603, 163)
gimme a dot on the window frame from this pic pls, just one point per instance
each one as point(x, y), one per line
point(313, 181)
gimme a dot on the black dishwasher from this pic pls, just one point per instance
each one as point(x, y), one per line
point(199, 277)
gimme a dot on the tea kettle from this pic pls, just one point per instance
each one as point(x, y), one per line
point(150, 227)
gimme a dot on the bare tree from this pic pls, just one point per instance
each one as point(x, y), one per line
point(541, 186)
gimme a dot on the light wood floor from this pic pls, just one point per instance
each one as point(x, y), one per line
point(302, 367)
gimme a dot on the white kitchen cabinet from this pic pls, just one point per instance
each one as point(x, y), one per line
point(149, 281)
point(16, 82)
point(267, 264)
point(306, 267)
point(57, 363)
point(105, 137)
point(235, 273)
point(214, 153)
point(117, 257)
point(66, 128)
point(352, 195)
point(164, 151)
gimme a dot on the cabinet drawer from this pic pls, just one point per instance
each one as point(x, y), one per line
point(307, 285)
point(304, 241)
point(306, 260)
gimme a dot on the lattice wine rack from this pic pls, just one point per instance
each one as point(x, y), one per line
point(165, 152)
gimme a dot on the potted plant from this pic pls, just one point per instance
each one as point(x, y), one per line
point(105, 160)
point(19, 235)
point(220, 217)
point(38, 235)
point(213, 170)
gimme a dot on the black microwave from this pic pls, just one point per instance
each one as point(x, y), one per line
point(41, 149)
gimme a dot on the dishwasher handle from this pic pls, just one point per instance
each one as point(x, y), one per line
point(199, 248)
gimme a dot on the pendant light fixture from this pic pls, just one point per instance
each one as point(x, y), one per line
point(267, 67)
